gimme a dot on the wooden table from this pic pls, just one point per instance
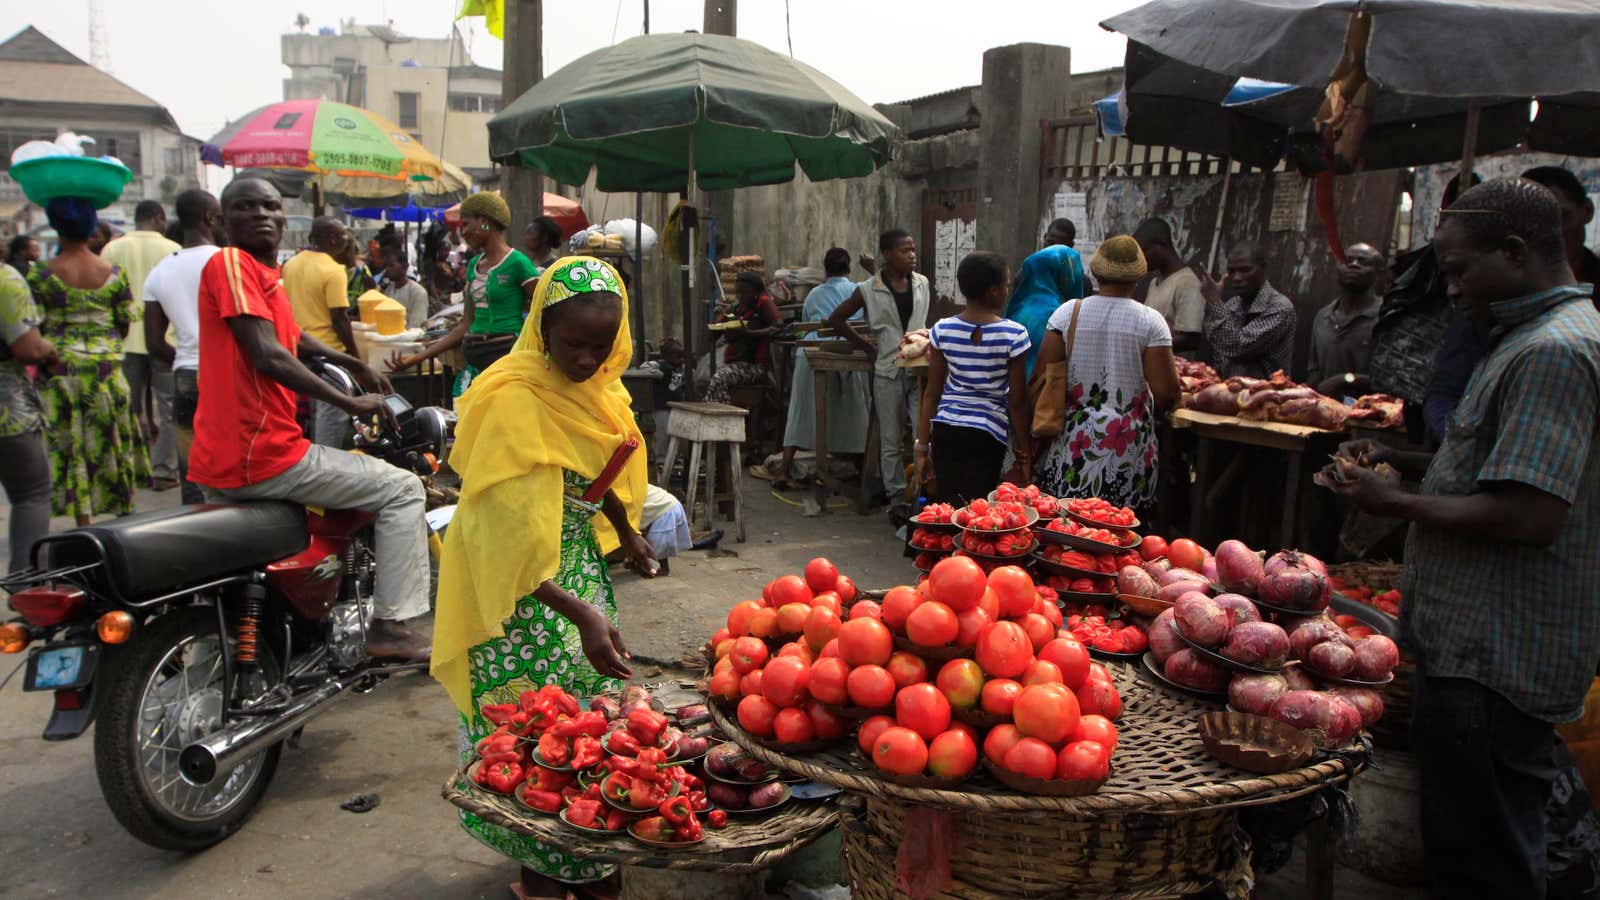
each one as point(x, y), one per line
point(824, 362)
point(1293, 440)
point(918, 367)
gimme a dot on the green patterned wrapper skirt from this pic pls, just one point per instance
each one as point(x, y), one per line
point(540, 648)
point(97, 455)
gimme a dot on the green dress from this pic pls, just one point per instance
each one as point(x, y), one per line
point(541, 647)
point(499, 304)
point(97, 453)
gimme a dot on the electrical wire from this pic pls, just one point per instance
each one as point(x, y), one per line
point(617, 20)
point(788, 30)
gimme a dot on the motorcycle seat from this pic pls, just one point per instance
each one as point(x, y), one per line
point(156, 553)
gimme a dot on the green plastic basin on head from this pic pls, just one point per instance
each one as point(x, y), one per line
point(47, 177)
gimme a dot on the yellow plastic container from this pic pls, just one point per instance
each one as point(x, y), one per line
point(369, 301)
point(389, 316)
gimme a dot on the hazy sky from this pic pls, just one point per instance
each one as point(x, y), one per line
point(209, 61)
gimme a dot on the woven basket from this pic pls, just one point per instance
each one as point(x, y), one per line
point(748, 844)
point(1003, 855)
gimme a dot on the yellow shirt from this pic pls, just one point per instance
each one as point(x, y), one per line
point(316, 286)
point(136, 253)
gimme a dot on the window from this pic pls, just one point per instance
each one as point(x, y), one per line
point(475, 103)
point(407, 102)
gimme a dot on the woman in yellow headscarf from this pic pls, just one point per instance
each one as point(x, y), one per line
point(524, 595)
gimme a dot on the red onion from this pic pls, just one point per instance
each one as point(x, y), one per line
point(1190, 669)
point(1291, 581)
point(1331, 659)
point(1136, 581)
point(1163, 640)
point(1331, 721)
point(1238, 567)
point(1368, 702)
point(1257, 644)
point(1200, 619)
point(1239, 608)
point(1255, 694)
point(1376, 657)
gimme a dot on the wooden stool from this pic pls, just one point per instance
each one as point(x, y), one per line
point(702, 424)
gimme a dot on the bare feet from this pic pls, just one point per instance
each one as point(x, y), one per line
point(387, 639)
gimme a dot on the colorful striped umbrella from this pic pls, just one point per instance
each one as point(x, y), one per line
point(325, 138)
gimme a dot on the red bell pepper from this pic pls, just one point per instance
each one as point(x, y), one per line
point(698, 801)
point(618, 787)
point(499, 713)
point(645, 794)
point(589, 723)
point(584, 813)
point(586, 751)
point(501, 746)
point(553, 750)
point(675, 809)
point(570, 795)
point(616, 820)
point(646, 724)
point(717, 818)
point(655, 828)
point(621, 743)
point(501, 777)
point(544, 801)
point(689, 830)
point(544, 779)
point(688, 779)
point(563, 701)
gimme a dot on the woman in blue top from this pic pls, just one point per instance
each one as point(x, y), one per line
point(975, 402)
point(1046, 280)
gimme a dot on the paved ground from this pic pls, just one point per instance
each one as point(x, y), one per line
point(399, 742)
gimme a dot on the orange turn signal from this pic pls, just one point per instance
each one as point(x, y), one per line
point(114, 627)
point(13, 637)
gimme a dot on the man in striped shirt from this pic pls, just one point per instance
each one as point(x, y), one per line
point(973, 406)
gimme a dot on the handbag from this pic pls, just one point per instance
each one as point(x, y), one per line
point(1047, 390)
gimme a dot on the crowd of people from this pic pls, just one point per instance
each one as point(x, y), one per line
point(1057, 376)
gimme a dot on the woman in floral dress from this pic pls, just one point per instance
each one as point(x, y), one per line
point(1121, 376)
point(97, 455)
point(525, 599)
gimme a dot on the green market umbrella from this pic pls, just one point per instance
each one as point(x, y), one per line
point(647, 113)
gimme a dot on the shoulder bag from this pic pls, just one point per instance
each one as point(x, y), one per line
point(1047, 390)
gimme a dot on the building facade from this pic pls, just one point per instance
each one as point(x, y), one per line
point(49, 90)
point(428, 86)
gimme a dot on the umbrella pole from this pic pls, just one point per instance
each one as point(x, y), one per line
point(1222, 213)
point(1469, 144)
point(635, 310)
point(690, 344)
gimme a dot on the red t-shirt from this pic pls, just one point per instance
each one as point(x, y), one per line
point(244, 428)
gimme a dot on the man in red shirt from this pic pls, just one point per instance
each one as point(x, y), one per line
point(247, 445)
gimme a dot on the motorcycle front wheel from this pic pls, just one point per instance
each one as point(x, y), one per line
point(167, 692)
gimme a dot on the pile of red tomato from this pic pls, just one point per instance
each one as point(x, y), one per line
point(1001, 515)
point(1118, 538)
point(1042, 503)
point(1102, 512)
point(1386, 601)
point(800, 672)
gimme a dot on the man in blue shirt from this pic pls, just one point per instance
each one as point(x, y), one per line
point(1504, 548)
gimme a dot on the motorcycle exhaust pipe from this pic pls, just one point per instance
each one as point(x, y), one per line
point(219, 753)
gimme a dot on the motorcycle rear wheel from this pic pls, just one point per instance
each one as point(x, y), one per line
point(165, 693)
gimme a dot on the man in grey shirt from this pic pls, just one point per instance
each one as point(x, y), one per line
point(399, 286)
point(1341, 332)
point(1252, 332)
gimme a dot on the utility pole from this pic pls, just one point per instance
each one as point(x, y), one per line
point(521, 187)
point(721, 17)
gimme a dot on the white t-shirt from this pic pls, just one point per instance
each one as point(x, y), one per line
point(1177, 297)
point(175, 284)
point(1108, 348)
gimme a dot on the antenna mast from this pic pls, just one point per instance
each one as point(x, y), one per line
point(99, 37)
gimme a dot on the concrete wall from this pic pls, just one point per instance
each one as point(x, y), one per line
point(1300, 264)
point(1428, 186)
point(1023, 84)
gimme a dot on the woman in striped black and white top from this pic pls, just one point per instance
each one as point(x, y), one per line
point(977, 388)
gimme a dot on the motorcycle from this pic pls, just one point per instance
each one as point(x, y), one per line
point(201, 639)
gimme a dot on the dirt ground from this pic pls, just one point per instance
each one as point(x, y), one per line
point(400, 743)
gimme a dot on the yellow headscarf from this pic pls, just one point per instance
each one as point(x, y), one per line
point(521, 423)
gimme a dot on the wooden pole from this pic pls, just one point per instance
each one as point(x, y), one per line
point(522, 188)
point(1469, 144)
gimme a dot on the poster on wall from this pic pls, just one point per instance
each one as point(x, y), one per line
point(1288, 202)
point(1074, 207)
point(953, 239)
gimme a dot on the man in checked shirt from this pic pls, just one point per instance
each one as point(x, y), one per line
point(1503, 558)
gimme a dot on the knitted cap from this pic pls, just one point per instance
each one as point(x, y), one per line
point(489, 206)
point(1119, 259)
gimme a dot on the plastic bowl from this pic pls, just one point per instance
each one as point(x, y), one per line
point(47, 177)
